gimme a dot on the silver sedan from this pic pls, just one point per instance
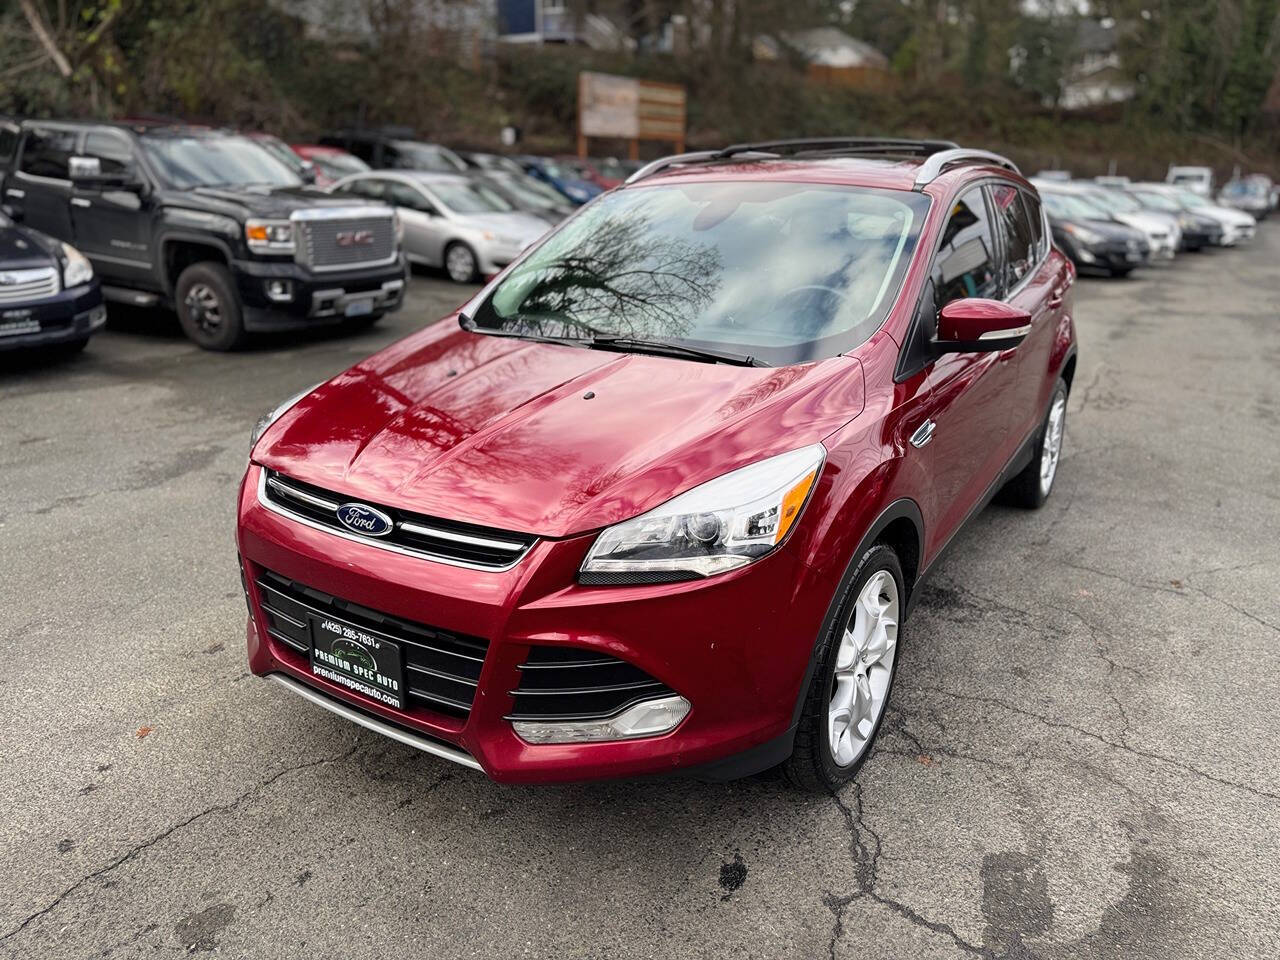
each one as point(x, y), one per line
point(450, 221)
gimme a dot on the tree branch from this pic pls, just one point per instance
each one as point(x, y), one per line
point(41, 30)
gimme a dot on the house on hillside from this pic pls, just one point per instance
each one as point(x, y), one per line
point(1095, 75)
point(831, 57)
point(555, 21)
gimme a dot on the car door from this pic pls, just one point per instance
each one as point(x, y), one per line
point(39, 192)
point(1036, 283)
point(961, 439)
point(424, 236)
point(113, 226)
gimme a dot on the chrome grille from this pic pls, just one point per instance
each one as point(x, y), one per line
point(23, 286)
point(343, 243)
point(460, 544)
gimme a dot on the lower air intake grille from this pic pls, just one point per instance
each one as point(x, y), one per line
point(563, 683)
point(441, 668)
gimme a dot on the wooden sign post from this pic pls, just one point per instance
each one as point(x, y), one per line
point(625, 108)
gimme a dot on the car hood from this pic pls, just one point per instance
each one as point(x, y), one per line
point(22, 248)
point(275, 202)
point(543, 438)
point(524, 227)
point(1108, 229)
point(1227, 216)
point(1149, 223)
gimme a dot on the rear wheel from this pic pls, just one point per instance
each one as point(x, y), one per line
point(71, 347)
point(1031, 487)
point(460, 263)
point(846, 699)
point(208, 307)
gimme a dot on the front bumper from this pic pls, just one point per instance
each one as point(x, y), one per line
point(314, 299)
point(1112, 254)
point(68, 316)
point(736, 646)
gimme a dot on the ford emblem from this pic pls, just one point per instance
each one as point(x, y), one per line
point(364, 519)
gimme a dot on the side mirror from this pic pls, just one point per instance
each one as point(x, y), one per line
point(978, 325)
point(308, 172)
point(86, 173)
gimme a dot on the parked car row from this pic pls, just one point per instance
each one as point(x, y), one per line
point(1113, 225)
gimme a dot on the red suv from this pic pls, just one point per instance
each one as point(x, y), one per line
point(662, 495)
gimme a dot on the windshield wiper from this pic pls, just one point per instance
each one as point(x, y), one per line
point(466, 323)
point(664, 349)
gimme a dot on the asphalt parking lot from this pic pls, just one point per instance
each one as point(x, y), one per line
point(1081, 759)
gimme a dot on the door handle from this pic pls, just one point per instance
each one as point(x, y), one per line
point(80, 202)
point(923, 434)
point(16, 193)
point(1056, 298)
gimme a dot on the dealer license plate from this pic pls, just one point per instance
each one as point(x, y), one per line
point(359, 308)
point(359, 659)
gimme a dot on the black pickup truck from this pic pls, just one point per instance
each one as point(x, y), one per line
point(204, 221)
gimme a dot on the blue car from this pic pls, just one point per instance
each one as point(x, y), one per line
point(563, 180)
point(49, 296)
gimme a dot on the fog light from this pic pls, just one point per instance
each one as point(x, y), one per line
point(1086, 256)
point(281, 291)
point(647, 719)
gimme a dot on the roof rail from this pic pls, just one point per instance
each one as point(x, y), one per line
point(936, 163)
point(765, 149)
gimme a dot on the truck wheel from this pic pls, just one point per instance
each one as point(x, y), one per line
point(460, 263)
point(208, 307)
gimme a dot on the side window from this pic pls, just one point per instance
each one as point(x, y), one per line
point(8, 141)
point(1019, 243)
point(47, 152)
point(966, 261)
point(1037, 225)
point(403, 195)
point(112, 150)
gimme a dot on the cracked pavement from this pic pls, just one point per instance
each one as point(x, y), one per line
point(1080, 759)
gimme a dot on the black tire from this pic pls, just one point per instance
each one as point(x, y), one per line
point(71, 347)
point(455, 250)
point(812, 765)
point(1119, 272)
point(1026, 490)
point(209, 308)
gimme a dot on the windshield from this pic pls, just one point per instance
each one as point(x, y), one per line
point(1155, 201)
point(184, 162)
point(281, 151)
point(1190, 199)
point(528, 190)
point(1188, 178)
point(427, 156)
point(784, 272)
point(1071, 207)
point(470, 198)
point(1115, 202)
point(337, 165)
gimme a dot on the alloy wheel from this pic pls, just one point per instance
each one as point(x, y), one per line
point(864, 668)
point(204, 308)
point(460, 264)
point(1052, 451)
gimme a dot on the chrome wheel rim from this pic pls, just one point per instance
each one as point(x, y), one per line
point(461, 264)
point(864, 667)
point(1052, 451)
point(203, 308)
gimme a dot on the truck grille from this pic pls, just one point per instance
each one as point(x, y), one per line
point(335, 244)
point(441, 668)
point(23, 286)
point(564, 683)
point(461, 544)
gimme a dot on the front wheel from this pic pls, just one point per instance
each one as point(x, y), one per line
point(846, 699)
point(460, 263)
point(208, 307)
point(1031, 487)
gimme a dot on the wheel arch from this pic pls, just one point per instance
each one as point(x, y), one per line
point(179, 251)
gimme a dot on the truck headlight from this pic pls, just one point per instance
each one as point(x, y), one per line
point(717, 526)
point(269, 236)
point(76, 268)
point(267, 419)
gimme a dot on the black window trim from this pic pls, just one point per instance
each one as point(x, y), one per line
point(23, 141)
point(904, 369)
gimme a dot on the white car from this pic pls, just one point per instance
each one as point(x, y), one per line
point(1162, 231)
point(1237, 226)
point(450, 220)
point(1196, 179)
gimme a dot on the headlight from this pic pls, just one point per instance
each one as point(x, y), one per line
point(1083, 234)
point(267, 419)
point(501, 239)
point(77, 269)
point(269, 236)
point(399, 227)
point(720, 525)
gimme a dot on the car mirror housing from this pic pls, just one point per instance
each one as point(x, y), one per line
point(975, 324)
